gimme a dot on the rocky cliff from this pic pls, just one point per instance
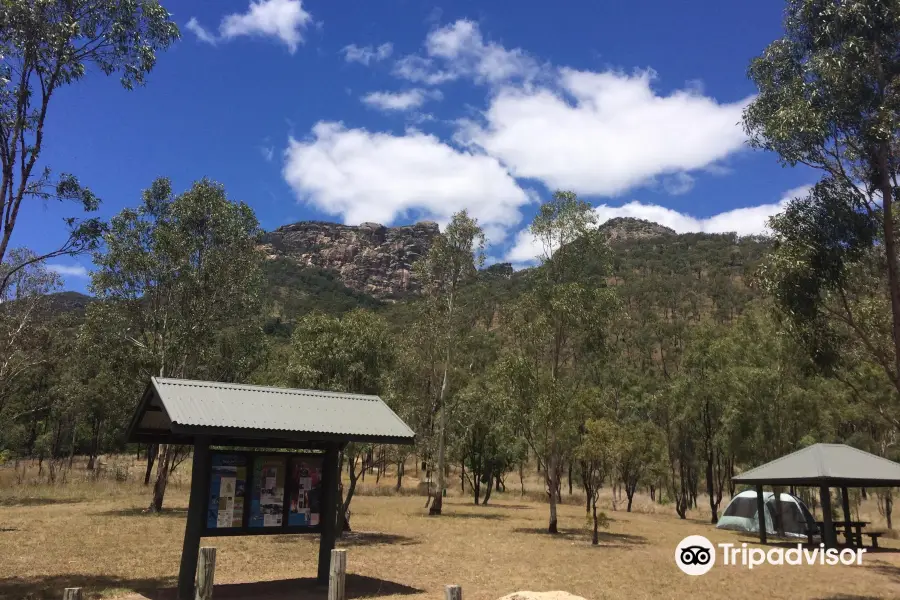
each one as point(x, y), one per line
point(629, 228)
point(369, 258)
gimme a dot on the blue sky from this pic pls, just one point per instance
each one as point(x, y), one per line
point(398, 111)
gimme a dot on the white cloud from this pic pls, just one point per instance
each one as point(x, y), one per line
point(459, 50)
point(398, 101)
point(742, 221)
point(69, 270)
point(678, 184)
point(366, 176)
point(367, 54)
point(282, 19)
point(268, 152)
point(605, 133)
point(202, 34)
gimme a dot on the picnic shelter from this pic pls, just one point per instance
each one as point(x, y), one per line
point(824, 466)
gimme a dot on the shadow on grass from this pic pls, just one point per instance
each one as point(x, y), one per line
point(615, 540)
point(12, 501)
point(469, 515)
point(510, 506)
point(47, 588)
point(890, 571)
point(180, 513)
point(375, 538)
point(850, 597)
point(351, 539)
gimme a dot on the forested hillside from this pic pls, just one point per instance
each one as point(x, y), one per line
point(629, 332)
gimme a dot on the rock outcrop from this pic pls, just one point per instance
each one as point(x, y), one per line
point(369, 258)
point(629, 228)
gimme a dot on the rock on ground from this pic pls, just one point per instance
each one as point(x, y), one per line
point(541, 596)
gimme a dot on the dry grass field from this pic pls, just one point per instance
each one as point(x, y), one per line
point(94, 535)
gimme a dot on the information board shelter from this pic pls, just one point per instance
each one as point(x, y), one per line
point(238, 485)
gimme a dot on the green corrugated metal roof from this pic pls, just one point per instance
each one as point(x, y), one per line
point(826, 464)
point(191, 405)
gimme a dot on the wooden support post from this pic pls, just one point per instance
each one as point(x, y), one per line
point(328, 514)
point(452, 592)
point(337, 579)
point(72, 594)
point(828, 537)
point(206, 571)
point(761, 513)
point(845, 505)
point(195, 517)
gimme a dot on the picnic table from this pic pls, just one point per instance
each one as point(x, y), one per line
point(856, 526)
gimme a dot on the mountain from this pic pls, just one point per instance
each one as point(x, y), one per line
point(333, 268)
point(69, 301)
point(370, 258)
point(629, 228)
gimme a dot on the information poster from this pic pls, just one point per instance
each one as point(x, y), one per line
point(305, 489)
point(267, 504)
point(227, 491)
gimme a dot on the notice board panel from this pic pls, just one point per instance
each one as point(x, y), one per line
point(259, 493)
point(227, 491)
point(305, 491)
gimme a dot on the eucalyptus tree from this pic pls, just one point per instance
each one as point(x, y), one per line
point(828, 99)
point(44, 46)
point(563, 315)
point(24, 318)
point(704, 399)
point(452, 260)
point(173, 277)
point(352, 353)
point(598, 457)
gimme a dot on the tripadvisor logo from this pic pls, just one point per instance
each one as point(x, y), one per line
point(696, 555)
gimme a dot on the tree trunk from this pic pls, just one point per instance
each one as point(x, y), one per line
point(343, 516)
point(95, 445)
point(72, 449)
point(887, 198)
point(476, 487)
point(553, 489)
point(570, 478)
point(710, 489)
point(152, 450)
point(438, 502)
point(400, 465)
point(522, 478)
point(889, 508)
point(163, 462)
point(487, 489)
point(595, 539)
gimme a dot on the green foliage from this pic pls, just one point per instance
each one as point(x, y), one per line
point(45, 45)
point(344, 354)
point(179, 284)
point(827, 99)
point(292, 290)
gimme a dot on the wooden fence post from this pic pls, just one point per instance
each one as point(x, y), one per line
point(72, 594)
point(452, 592)
point(338, 575)
point(206, 571)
